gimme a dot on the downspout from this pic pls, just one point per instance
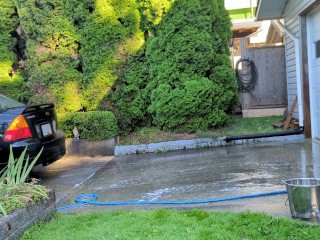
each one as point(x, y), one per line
point(264, 135)
point(298, 71)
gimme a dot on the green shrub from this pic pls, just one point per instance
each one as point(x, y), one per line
point(152, 12)
point(95, 125)
point(74, 53)
point(11, 79)
point(75, 43)
point(182, 80)
point(128, 100)
point(188, 108)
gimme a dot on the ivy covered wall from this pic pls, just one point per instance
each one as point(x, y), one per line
point(160, 62)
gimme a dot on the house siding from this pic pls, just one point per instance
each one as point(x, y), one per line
point(291, 17)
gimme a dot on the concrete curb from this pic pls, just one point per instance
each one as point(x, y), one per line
point(82, 147)
point(193, 144)
point(15, 224)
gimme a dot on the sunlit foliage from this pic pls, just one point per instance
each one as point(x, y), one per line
point(152, 62)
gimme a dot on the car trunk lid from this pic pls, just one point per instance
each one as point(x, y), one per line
point(41, 120)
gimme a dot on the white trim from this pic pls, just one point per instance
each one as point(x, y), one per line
point(258, 8)
point(286, 30)
point(310, 69)
point(246, 20)
point(298, 69)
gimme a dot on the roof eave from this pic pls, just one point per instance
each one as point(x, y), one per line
point(265, 9)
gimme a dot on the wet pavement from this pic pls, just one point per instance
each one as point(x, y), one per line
point(189, 175)
point(68, 173)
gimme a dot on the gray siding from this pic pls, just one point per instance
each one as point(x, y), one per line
point(291, 17)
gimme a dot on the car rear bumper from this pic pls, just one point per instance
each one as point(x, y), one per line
point(53, 149)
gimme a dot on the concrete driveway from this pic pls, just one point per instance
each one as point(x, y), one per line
point(188, 175)
point(68, 173)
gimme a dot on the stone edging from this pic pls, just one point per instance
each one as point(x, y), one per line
point(82, 147)
point(194, 143)
point(15, 224)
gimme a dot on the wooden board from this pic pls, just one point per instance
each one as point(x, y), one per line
point(288, 119)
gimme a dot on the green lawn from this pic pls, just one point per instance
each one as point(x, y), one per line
point(236, 126)
point(239, 126)
point(171, 224)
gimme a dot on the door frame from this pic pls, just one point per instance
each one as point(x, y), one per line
point(311, 56)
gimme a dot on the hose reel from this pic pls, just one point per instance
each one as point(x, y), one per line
point(247, 75)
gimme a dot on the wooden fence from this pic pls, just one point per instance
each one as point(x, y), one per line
point(270, 90)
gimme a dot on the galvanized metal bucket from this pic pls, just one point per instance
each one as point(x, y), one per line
point(304, 197)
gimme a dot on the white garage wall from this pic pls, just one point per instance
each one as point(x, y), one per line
point(291, 17)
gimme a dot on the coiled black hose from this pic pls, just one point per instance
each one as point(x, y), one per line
point(247, 75)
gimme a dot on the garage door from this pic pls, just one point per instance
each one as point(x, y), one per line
point(314, 70)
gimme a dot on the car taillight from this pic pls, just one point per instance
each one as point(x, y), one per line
point(17, 130)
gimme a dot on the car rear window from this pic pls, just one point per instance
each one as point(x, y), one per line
point(6, 103)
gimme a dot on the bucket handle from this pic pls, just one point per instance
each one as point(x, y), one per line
point(285, 183)
point(286, 203)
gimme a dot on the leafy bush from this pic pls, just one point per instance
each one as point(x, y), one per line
point(74, 53)
point(193, 107)
point(128, 100)
point(95, 125)
point(74, 48)
point(183, 80)
point(14, 190)
point(11, 78)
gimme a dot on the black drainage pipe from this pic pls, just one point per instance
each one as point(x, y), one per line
point(264, 135)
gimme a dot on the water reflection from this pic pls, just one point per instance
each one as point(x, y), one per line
point(304, 163)
point(316, 159)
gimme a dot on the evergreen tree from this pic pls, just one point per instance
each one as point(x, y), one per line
point(189, 84)
point(160, 62)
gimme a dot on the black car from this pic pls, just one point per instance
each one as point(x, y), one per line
point(33, 127)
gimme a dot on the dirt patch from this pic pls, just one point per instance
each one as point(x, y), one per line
point(146, 136)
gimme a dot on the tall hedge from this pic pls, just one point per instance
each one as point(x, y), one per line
point(152, 62)
point(74, 48)
point(11, 77)
point(183, 79)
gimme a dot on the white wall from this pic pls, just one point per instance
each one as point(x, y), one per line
point(238, 4)
point(291, 17)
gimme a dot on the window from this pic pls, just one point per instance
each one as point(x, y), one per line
point(6, 103)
